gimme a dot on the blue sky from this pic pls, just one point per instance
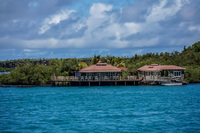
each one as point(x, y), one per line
point(82, 28)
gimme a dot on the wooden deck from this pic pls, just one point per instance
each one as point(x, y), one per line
point(75, 81)
point(130, 80)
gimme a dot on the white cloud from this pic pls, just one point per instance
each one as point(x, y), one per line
point(102, 29)
point(132, 28)
point(111, 28)
point(28, 50)
point(102, 26)
point(78, 26)
point(98, 10)
point(55, 19)
point(161, 12)
point(46, 43)
point(33, 4)
point(97, 16)
point(195, 28)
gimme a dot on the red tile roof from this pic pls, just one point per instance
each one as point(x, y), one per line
point(156, 67)
point(101, 67)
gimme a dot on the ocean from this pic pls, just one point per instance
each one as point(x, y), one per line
point(100, 109)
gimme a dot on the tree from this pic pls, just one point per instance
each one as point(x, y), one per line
point(56, 65)
point(104, 60)
point(95, 60)
point(121, 65)
point(82, 65)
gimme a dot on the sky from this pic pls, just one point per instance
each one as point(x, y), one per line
point(82, 28)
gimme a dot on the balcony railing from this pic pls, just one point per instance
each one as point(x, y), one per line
point(92, 78)
point(97, 78)
point(164, 79)
point(64, 78)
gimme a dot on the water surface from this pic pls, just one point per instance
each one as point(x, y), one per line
point(100, 109)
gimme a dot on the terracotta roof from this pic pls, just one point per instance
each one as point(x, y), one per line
point(156, 67)
point(123, 68)
point(101, 67)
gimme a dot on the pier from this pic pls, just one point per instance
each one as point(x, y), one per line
point(75, 81)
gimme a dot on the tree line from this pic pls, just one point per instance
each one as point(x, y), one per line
point(39, 71)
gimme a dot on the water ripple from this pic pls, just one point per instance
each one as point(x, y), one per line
point(100, 109)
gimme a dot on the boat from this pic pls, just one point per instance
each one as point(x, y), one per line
point(171, 84)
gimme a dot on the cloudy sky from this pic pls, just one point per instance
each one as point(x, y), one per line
point(82, 28)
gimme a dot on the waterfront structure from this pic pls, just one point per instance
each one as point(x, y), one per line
point(100, 72)
point(97, 75)
point(106, 74)
point(161, 73)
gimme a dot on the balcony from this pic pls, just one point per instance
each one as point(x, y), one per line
point(92, 78)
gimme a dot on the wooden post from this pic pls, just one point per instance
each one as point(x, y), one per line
point(89, 83)
point(69, 83)
point(125, 83)
point(79, 83)
point(99, 83)
point(115, 83)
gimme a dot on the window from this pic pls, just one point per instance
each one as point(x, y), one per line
point(88, 74)
point(177, 73)
point(149, 73)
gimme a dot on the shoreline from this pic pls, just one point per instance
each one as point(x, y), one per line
point(25, 85)
point(48, 85)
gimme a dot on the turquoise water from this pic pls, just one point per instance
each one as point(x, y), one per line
point(100, 109)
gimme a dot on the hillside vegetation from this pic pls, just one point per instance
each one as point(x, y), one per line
point(39, 71)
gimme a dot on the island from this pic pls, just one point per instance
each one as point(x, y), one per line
point(147, 69)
